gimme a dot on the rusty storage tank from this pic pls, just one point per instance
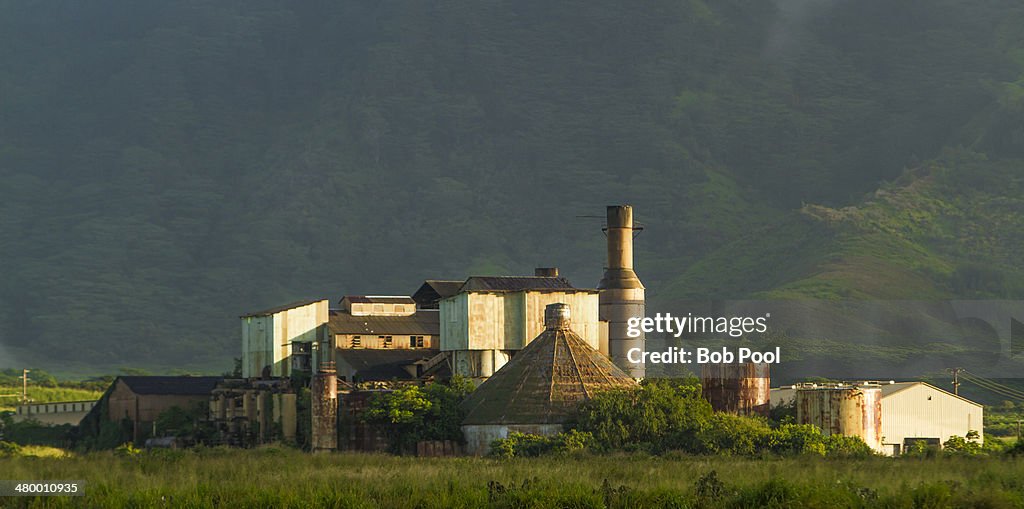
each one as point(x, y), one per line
point(843, 409)
point(323, 395)
point(738, 388)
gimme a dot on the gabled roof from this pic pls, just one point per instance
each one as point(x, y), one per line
point(378, 299)
point(372, 364)
point(433, 290)
point(424, 322)
point(544, 382)
point(893, 388)
point(171, 385)
point(278, 309)
point(442, 287)
point(514, 283)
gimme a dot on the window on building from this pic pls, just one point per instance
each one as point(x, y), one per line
point(416, 341)
point(399, 308)
point(357, 341)
point(378, 308)
point(386, 340)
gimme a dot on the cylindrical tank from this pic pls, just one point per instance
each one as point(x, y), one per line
point(621, 293)
point(324, 409)
point(557, 316)
point(839, 409)
point(739, 388)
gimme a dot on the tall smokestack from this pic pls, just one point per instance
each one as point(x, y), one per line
point(622, 293)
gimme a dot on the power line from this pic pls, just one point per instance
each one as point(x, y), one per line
point(996, 384)
point(993, 388)
point(985, 385)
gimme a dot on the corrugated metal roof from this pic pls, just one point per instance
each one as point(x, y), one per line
point(544, 382)
point(424, 322)
point(171, 385)
point(381, 365)
point(293, 305)
point(514, 283)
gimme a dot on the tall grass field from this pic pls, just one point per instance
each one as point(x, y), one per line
point(279, 477)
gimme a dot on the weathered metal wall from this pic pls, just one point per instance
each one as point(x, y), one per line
point(739, 388)
point(622, 293)
point(846, 410)
point(267, 340)
point(482, 328)
point(324, 410)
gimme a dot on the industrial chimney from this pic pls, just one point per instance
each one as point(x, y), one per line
point(621, 293)
point(324, 409)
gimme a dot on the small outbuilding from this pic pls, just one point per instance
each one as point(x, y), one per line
point(539, 390)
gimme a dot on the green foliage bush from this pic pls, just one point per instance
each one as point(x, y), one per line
point(660, 415)
point(526, 445)
point(664, 415)
point(8, 449)
point(414, 413)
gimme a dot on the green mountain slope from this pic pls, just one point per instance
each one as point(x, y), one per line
point(950, 228)
point(167, 167)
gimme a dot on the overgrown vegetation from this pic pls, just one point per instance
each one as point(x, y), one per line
point(663, 416)
point(219, 477)
point(413, 413)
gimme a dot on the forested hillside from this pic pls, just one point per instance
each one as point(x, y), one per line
point(167, 166)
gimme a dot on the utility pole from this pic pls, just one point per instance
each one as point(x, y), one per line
point(956, 380)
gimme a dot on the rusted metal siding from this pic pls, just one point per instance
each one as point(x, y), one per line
point(743, 389)
point(843, 410)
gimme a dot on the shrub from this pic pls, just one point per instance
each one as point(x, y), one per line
point(1016, 449)
point(847, 447)
point(796, 439)
point(733, 434)
point(966, 445)
point(8, 449)
point(526, 444)
point(414, 413)
point(657, 416)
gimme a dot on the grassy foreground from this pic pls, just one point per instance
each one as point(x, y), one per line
point(273, 477)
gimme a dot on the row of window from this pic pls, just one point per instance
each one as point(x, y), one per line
point(57, 407)
point(388, 341)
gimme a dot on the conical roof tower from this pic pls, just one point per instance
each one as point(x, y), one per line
point(547, 380)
